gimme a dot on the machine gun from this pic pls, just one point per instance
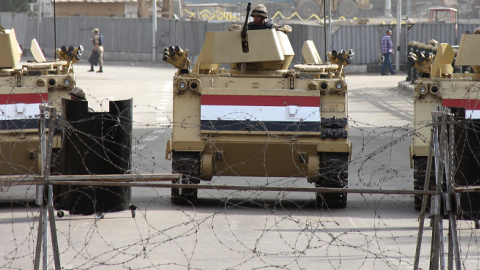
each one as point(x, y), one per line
point(177, 58)
point(422, 62)
point(244, 33)
point(70, 54)
point(342, 59)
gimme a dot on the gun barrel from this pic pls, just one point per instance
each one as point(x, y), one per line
point(245, 25)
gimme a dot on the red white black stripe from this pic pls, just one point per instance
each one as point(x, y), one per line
point(260, 113)
point(20, 111)
point(472, 106)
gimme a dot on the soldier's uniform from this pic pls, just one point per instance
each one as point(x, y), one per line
point(261, 10)
point(98, 46)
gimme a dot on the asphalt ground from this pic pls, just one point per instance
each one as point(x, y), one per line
point(240, 229)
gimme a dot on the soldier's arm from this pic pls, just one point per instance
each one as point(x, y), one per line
point(96, 42)
point(284, 28)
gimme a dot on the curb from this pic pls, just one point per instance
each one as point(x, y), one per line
point(406, 86)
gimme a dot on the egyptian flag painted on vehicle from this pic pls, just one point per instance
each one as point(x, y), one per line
point(260, 113)
point(472, 106)
point(20, 111)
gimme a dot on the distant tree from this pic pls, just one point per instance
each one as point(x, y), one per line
point(15, 5)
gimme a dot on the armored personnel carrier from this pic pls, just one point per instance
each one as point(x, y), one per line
point(439, 85)
point(22, 90)
point(257, 117)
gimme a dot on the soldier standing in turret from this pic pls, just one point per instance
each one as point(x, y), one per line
point(98, 43)
point(260, 15)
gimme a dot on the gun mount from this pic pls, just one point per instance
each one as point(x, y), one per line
point(422, 62)
point(70, 54)
point(177, 58)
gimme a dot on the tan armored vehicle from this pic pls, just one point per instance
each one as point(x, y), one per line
point(438, 85)
point(22, 90)
point(257, 117)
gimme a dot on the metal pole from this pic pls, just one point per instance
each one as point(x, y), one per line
point(48, 162)
point(453, 244)
point(409, 8)
point(325, 27)
point(54, 30)
point(154, 31)
point(38, 247)
point(39, 3)
point(43, 146)
point(399, 30)
point(388, 8)
point(424, 204)
point(330, 44)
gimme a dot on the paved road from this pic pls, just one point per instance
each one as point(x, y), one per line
point(244, 230)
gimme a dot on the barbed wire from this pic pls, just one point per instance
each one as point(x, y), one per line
point(232, 229)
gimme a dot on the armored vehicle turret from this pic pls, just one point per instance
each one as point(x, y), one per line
point(240, 111)
point(22, 90)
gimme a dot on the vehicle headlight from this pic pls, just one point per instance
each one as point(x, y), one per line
point(40, 82)
point(422, 90)
point(67, 82)
point(52, 82)
point(312, 85)
point(182, 85)
point(194, 84)
point(339, 86)
point(434, 89)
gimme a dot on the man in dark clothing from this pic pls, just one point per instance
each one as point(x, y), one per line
point(98, 47)
point(259, 14)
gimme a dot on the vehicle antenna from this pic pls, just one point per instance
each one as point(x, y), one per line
point(325, 27)
point(54, 31)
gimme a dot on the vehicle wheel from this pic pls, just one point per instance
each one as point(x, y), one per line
point(347, 9)
point(188, 164)
point(333, 173)
point(419, 171)
point(307, 8)
point(186, 196)
point(60, 214)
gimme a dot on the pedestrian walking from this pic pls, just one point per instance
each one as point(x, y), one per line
point(97, 53)
point(387, 50)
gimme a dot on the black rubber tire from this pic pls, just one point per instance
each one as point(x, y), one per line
point(188, 197)
point(347, 9)
point(188, 164)
point(333, 173)
point(419, 171)
point(307, 8)
point(60, 214)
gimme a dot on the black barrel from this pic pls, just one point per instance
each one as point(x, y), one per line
point(95, 143)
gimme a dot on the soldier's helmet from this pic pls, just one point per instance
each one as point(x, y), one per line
point(78, 93)
point(260, 10)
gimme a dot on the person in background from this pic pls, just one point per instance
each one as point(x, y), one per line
point(98, 43)
point(387, 50)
